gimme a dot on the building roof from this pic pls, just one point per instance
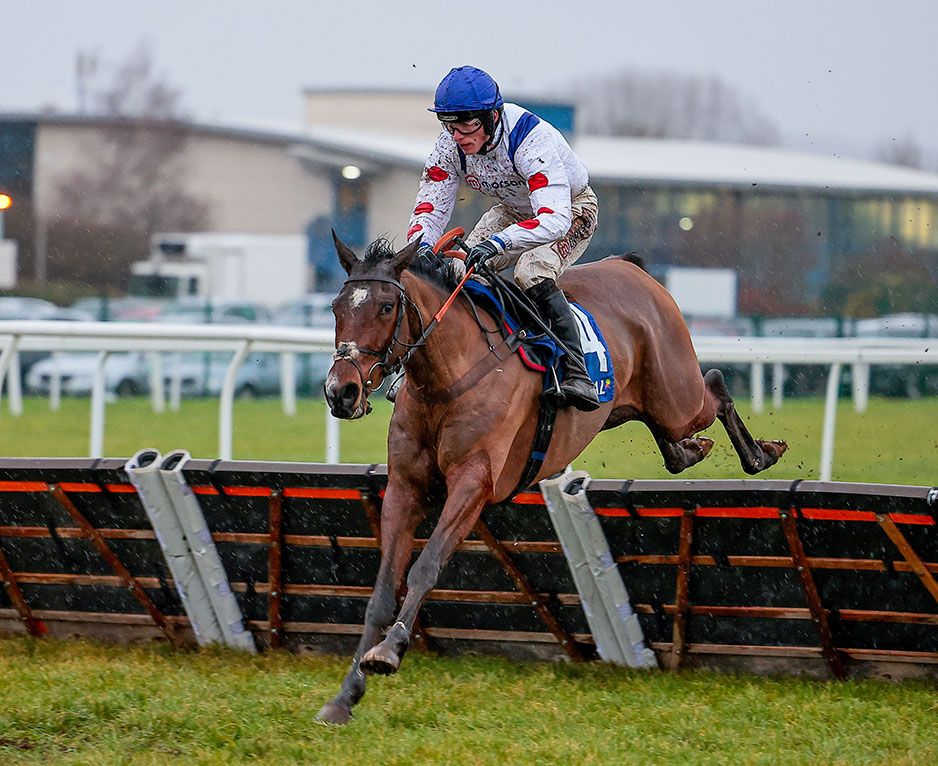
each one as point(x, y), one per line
point(358, 90)
point(261, 134)
point(656, 161)
point(659, 162)
point(626, 161)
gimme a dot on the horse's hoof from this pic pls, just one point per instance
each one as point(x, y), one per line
point(774, 449)
point(704, 445)
point(380, 660)
point(334, 714)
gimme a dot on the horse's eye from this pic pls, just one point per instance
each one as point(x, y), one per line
point(386, 308)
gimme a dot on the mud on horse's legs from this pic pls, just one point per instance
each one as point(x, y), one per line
point(755, 454)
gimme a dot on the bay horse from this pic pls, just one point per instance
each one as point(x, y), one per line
point(464, 420)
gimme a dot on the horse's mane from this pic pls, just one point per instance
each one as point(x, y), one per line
point(378, 251)
point(437, 271)
point(633, 257)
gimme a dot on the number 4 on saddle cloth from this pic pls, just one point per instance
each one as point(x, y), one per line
point(541, 353)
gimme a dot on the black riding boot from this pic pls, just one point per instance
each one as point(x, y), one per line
point(577, 388)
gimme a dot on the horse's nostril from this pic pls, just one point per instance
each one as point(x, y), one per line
point(349, 395)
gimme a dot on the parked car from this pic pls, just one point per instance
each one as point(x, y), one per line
point(801, 327)
point(213, 312)
point(723, 326)
point(123, 309)
point(18, 307)
point(128, 374)
point(903, 380)
point(312, 310)
point(203, 373)
point(898, 326)
point(125, 374)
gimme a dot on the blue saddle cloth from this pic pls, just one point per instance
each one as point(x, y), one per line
point(541, 353)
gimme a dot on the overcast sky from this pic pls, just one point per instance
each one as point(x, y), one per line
point(841, 76)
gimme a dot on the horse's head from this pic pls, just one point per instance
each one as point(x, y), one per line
point(370, 325)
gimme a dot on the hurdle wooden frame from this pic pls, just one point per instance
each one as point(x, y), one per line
point(848, 570)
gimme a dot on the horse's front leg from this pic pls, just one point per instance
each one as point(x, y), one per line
point(400, 514)
point(469, 488)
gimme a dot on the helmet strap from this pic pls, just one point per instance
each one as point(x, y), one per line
point(494, 130)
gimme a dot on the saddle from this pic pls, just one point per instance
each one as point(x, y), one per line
point(537, 350)
point(506, 303)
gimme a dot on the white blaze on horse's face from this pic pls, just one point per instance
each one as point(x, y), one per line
point(359, 296)
point(364, 311)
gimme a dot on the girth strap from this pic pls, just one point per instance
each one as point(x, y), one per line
point(543, 434)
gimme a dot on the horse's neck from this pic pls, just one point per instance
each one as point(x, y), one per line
point(452, 348)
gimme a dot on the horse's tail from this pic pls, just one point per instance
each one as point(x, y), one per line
point(632, 257)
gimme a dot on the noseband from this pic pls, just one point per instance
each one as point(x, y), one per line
point(344, 351)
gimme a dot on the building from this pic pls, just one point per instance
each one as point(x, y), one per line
point(789, 222)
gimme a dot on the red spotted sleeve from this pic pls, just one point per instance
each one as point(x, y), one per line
point(436, 195)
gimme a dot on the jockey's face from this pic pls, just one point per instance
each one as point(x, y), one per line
point(469, 135)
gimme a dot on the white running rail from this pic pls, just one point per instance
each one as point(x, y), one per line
point(834, 353)
point(107, 337)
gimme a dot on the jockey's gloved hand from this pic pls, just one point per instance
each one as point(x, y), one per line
point(480, 253)
point(424, 250)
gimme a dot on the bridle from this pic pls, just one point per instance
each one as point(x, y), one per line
point(345, 351)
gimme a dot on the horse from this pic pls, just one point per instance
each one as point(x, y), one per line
point(465, 417)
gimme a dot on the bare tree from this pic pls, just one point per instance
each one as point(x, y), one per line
point(767, 243)
point(135, 185)
point(669, 105)
point(900, 151)
point(136, 90)
point(886, 279)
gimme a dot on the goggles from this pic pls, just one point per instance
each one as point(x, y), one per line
point(463, 128)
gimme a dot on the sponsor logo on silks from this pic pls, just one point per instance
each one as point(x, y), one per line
point(488, 186)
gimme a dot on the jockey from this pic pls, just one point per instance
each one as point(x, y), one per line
point(546, 212)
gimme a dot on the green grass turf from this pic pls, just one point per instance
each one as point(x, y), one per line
point(894, 442)
point(79, 703)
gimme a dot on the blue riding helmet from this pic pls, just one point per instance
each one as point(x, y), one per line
point(466, 89)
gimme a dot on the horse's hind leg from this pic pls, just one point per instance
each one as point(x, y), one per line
point(755, 454)
point(685, 453)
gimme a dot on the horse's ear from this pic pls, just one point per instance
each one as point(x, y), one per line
point(403, 259)
point(347, 256)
